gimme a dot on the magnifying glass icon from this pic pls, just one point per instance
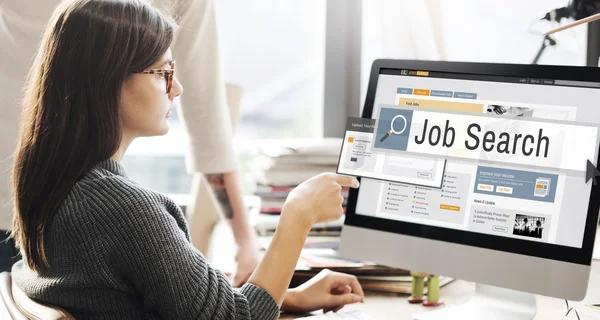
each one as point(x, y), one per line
point(389, 133)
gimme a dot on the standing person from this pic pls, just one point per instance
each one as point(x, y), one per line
point(538, 229)
point(93, 241)
point(203, 110)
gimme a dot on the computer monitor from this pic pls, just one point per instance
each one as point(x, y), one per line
point(513, 214)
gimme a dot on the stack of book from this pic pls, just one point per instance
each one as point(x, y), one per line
point(373, 278)
point(287, 165)
point(273, 197)
point(322, 253)
point(278, 169)
point(265, 225)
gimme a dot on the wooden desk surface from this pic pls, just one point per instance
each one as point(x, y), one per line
point(457, 292)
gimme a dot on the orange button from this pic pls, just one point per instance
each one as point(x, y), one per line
point(449, 207)
point(350, 139)
point(539, 186)
point(421, 92)
point(423, 73)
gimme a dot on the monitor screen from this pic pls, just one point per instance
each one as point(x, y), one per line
point(467, 196)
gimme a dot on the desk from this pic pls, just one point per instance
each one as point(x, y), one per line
point(396, 307)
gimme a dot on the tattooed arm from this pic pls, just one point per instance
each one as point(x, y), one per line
point(217, 182)
point(228, 192)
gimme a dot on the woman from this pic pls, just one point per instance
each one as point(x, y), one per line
point(96, 243)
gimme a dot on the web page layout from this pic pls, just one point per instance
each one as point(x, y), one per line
point(473, 160)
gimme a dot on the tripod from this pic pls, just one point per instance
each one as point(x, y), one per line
point(548, 41)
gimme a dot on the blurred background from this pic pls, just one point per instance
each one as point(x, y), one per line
point(295, 57)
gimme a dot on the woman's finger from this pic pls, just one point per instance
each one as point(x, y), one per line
point(344, 299)
point(349, 280)
point(347, 181)
point(341, 289)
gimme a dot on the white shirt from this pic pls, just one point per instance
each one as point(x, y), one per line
point(203, 107)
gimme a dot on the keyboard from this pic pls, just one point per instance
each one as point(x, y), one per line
point(350, 315)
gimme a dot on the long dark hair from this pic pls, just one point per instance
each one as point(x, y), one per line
point(71, 106)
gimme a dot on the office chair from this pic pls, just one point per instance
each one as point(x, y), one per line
point(16, 305)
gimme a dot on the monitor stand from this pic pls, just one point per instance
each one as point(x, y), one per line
point(489, 303)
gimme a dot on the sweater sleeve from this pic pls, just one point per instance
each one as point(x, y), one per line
point(150, 250)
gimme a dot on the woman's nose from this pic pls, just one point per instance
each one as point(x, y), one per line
point(176, 89)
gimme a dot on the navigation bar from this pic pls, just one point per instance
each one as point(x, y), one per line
point(492, 78)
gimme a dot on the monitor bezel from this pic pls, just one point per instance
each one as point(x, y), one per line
point(557, 252)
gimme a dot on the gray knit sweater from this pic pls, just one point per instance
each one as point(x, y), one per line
point(119, 251)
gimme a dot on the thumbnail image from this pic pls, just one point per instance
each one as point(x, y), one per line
point(509, 111)
point(542, 187)
point(529, 226)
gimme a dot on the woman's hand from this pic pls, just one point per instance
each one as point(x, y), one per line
point(327, 290)
point(318, 199)
point(246, 260)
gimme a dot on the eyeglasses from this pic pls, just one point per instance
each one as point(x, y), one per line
point(167, 73)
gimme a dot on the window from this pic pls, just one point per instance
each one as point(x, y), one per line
point(275, 50)
point(464, 30)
